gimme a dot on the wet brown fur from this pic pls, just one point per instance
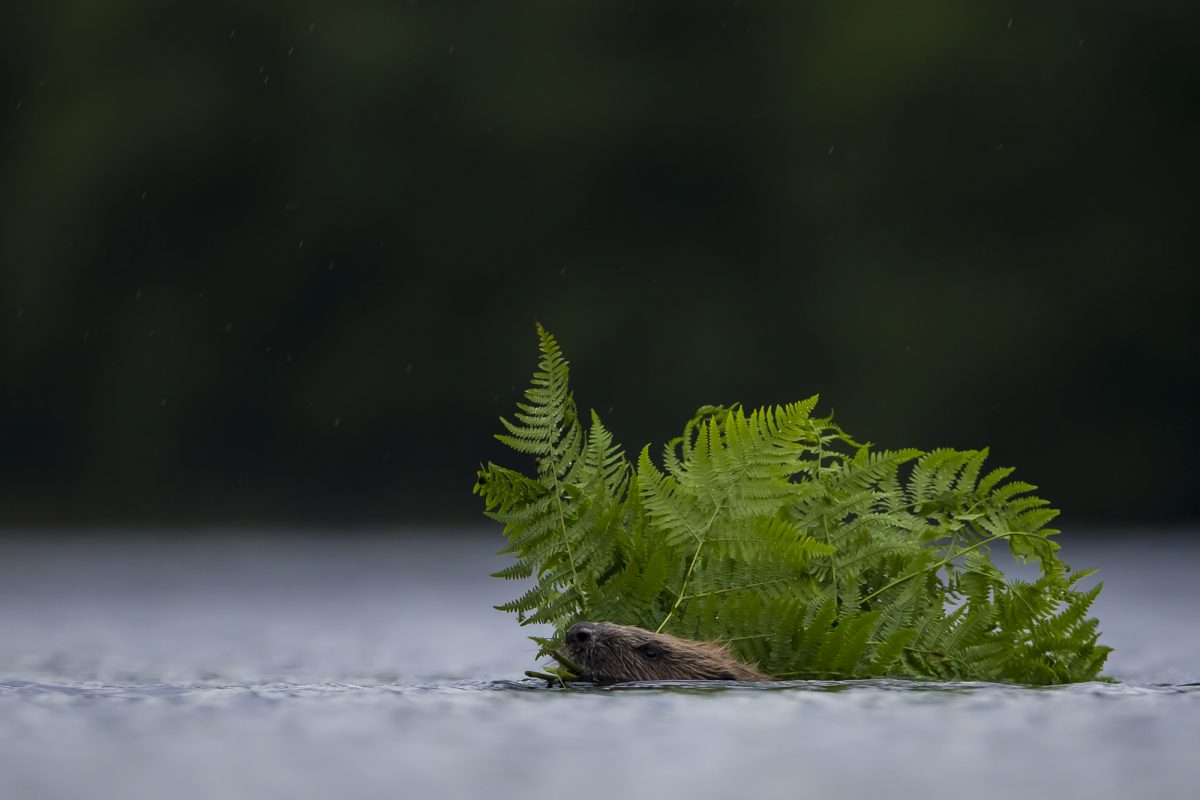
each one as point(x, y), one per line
point(620, 653)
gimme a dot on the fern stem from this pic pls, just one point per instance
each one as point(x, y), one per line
point(562, 521)
point(947, 560)
point(837, 600)
point(566, 662)
point(747, 637)
point(736, 588)
point(679, 598)
point(551, 680)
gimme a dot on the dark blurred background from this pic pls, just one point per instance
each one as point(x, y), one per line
point(280, 262)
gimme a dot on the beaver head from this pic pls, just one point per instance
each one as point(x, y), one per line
point(609, 653)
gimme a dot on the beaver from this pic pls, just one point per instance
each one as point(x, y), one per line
point(609, 653)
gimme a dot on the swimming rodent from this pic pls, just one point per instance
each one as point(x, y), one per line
point(609, 653)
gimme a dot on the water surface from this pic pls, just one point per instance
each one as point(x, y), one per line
point(252, 666)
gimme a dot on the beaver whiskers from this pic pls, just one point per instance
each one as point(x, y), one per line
point(609, 653)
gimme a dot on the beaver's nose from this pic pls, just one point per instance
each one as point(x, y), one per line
point(580, 632)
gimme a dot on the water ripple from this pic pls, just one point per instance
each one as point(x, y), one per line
point(378, 669)
point(90, 691)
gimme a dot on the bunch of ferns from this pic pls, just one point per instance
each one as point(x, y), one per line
point(809, 554)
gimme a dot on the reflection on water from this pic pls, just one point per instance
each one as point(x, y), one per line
point(375, 667)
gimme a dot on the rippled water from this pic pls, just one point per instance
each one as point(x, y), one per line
point(257, 667)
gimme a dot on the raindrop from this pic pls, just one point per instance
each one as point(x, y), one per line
point(408, 368)
point(163, 403)
point(451, 49)
point(233, 33)
point(143, 197)
point(291, 50)
point(337, 422)
point(301, 244)
point(137, 295)
point(228, 327)
point(87, 335)
point(19, 102)
point(830, 150)
point(311, 27)
point(1010, 22)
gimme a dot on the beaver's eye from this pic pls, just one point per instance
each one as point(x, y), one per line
point(649, 651)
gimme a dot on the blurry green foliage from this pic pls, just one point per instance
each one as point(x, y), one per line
point(261, 258)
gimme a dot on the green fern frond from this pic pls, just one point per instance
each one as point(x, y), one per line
point(808, 552)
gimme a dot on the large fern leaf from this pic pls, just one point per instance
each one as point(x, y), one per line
point(808, 553)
